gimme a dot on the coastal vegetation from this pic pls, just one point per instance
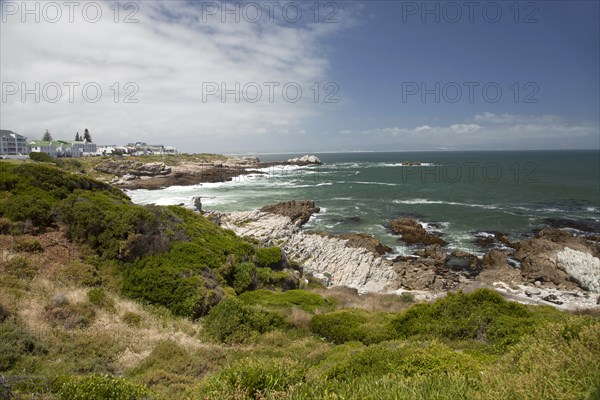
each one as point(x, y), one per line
point(104, 299)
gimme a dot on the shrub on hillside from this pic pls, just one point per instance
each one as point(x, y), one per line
point(40, 157)
point(253, 378)
point(232, 321)
point(353, 325)
point(269, 257)
point(105, 387)
point(483, 315)
point(15, 342)
point(302, 299)
point(28, 246)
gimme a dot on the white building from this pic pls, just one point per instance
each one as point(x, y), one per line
point(41, 146)
point(12, 143)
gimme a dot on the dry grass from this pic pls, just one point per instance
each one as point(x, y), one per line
point(374, 302)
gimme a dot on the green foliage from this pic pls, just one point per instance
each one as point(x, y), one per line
point(28, 246)
point(19, 266)
point(268, 257)
point(404, 359)
point(253, 378)
point(101, 387)
point(40, 156)
point(232, 321)
point(481, 315)
point(15, 342)
point(353, 325)
point(98, 297)
point(302, 299)
point(132, 319)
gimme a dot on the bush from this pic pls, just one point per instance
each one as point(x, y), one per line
point(269, 257)
point(403, 359)
point(101, 387)
point(40, 157)
point(302, 299)
point(482, 315)
point(231, 321)
point(28, 246)
point(353, 325)
point(15, 342)
point(71, 316)
point(253, 378)
point(132, 319)
point(20, 267)
point(98, 297)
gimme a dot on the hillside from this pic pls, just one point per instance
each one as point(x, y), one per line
point(104, 299)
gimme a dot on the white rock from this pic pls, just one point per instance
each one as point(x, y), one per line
point(583, 267)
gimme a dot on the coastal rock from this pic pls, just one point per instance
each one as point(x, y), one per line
point(411, 163)
point(298, 211)
point(583, 268)
point(305, 160)
point(492, 239)
point(365, 241)
point(495, 267)
point(412, 232)
point(134, 168)
point(540, 260)
point(323, 256)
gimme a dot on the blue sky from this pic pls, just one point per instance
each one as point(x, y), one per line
point(178, 55)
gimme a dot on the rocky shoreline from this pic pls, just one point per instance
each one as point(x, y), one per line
point(133, 174)
point(552, 268)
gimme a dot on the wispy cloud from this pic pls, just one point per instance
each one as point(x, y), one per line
point(171, 55)
point(491, 132)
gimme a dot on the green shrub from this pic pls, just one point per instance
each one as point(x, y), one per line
point(40, 157)
point(70, 316)
point(401, 359)
point(20, 267)
point(232, 321)
point(6, 226)
point(269, 257)
point(302, 299)
point(353, 325)
point(28, 246)
point(481, 315)
point(253, 378)
point(132, 319)
point(101, 387)
point(98, 297)
point(15, 342)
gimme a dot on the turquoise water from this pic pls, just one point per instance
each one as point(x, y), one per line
point(458, 193)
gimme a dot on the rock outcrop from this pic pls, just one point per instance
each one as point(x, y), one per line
point(298, 211)
point(362, 240)
point(133, 168)
point(412, 232)
point(328, 258)
point(305, 160)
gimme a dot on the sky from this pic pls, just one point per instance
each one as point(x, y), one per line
point(304, 76)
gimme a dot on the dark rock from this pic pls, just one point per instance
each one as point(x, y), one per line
point(461, 261)
point(489, 240)
point(350, 220)
point(413, 233)
point(368, 242)
point(552, 299)
point(197, 201)
point(583, 225)
point(299, 211)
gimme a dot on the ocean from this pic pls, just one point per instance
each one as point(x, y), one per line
point(460, 194)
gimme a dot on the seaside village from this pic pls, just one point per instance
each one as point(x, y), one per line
point(14, 145)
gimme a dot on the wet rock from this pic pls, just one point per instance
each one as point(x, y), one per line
point(583, 225)
point(462, 261)
point(365, 241)
point(412, 232)
point(489, 240)
point(298, 211)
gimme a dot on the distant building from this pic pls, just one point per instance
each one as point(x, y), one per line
point(144, 149)
point(12, 143)
point(41, 146)
point(61, 148)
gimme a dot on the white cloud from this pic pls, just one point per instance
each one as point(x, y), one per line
point(168, 55)
point(492, 131)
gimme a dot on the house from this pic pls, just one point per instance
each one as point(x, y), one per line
point(12, 143)
point(83, 149)
point(41, 146)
